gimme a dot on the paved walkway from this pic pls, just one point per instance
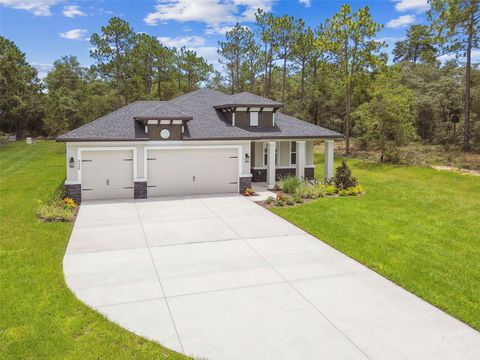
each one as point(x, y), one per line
point(220, 277)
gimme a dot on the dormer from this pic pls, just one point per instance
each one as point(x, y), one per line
point(246, 110)
point(163, 123)
point(163, 129)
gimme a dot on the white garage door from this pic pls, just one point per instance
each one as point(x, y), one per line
point(192, 171)
point(107, 174)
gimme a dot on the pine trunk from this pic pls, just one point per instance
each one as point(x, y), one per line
point(348, 106)
point(466, 126)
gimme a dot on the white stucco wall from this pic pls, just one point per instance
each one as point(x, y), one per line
point(309, 152)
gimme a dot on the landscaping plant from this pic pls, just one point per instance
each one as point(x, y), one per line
point(249, 192)
point(289, 184)
point(54, 208)
point(343, 178)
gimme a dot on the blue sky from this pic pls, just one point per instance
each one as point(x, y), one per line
point(48, 29)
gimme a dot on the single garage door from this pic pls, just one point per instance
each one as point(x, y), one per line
point(192, 171)
point(107, 174)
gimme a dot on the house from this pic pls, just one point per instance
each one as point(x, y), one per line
point(201, 142)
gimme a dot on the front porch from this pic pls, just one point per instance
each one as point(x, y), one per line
point(273, 159)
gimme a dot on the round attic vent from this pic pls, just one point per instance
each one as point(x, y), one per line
point(165, 133)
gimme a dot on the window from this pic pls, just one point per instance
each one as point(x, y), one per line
point(293, 152)
point(165, 133)
point(254, 119)
point(265, 153)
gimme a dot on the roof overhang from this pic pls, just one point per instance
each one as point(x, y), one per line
point(146, 118)
point(233, 107)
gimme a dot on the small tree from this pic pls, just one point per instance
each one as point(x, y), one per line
point(387, 120)
point(343, 178)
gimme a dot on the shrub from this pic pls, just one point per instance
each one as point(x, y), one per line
point(54, 208)
point(279, 203)
point(343, 178)
point(269, 200)
point(249, 191)
point(69, 203)
point(352, 191)
point(289, 184)
point(286, 199)
point(391, 155)
point(328, 189)
point(297, 199)
point(304, 190)
point(55, 212)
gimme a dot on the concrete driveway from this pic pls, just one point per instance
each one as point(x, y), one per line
point(220, 277)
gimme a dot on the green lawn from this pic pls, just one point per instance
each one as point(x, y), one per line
point(39, 317)
point(417, 226)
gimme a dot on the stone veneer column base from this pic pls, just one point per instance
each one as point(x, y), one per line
point(309, 173)
point(74, 192)
point(140, 190)
point(260, 175)
point(245, 182)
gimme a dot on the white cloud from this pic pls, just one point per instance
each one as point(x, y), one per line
point(218, 29)
point(306, 3)
point(450, 56)
point(178, 42)
point(401, 21)
point(389, 40)
point(75, 34)
point(213, 12)
point(72, 10)
point(412, 5)
point(42, 69)
point(209, 53)
point(194, 43)
point(37, 7)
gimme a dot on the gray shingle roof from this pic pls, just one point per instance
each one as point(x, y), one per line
point(206, 122)
point(247, 99)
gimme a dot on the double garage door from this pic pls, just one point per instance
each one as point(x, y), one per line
point(192, 171)
point(109, 174)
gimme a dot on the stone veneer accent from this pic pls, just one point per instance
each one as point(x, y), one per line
point(309, 173)
point(281, 173)
point(74, 192)
point(245, 182)
point(140, 190)
point(260, 175)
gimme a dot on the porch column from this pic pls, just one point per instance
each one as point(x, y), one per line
point(271, 164)
point(328, 159)
point(301, 159)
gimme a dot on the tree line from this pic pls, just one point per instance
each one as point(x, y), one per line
point(128, 67)
point(336, 75)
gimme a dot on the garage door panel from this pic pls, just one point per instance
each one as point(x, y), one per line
point(107, 174)
point(192, 171)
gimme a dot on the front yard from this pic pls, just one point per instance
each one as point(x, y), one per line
point(39, 317)
point(417, 226)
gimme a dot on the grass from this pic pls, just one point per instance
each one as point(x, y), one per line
point(417, 226)
point(39, 317)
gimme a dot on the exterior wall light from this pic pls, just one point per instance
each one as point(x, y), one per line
point(247, 158)
point(72, 162)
